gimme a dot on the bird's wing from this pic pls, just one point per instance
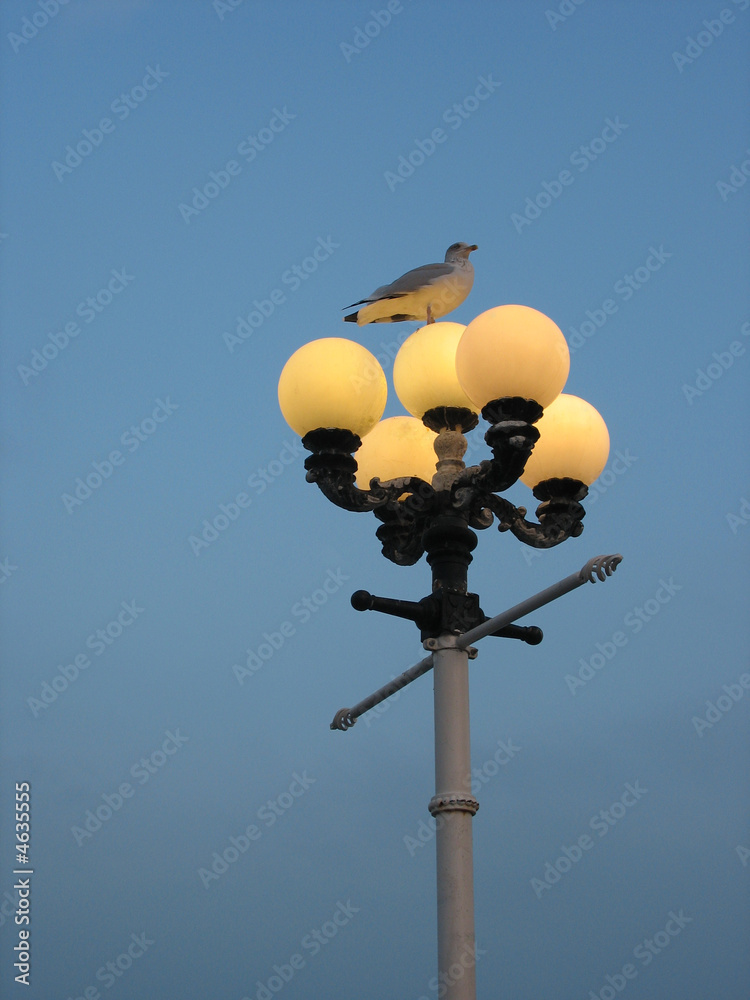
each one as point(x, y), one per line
point(380, 293)
point(410, 282)
point(413, 280)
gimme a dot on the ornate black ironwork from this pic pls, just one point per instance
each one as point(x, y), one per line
point(411, 510)
point(333, 468)
point(452, 418)
point(443, 611)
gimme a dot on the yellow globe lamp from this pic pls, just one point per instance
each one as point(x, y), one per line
point(395, 448)
point(512, 351)
point(424, 372)
point(332, 382)
point(573, 443)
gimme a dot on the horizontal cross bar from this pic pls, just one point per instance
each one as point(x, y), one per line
point(346, 717)
point(599, 567)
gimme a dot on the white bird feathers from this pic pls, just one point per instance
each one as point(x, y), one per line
point(427, 292)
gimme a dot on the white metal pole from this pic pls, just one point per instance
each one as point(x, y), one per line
point(453, 807)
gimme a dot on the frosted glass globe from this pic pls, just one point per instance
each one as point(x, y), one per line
point(573, 443)
point(512, 351)
point(332, 382)
point(424, 372)
point(395, 448)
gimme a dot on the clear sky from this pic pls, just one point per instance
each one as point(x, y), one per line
point(170, 167)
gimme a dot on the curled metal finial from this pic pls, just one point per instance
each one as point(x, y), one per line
point(600, 567)
point(342, 720)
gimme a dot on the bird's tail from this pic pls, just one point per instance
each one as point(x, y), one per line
point(351, 318)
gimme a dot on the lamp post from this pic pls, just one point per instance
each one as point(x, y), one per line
point(510, 364)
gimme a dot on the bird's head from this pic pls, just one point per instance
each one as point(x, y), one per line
point(459, 251)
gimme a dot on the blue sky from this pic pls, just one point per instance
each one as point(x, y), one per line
point(598, 155)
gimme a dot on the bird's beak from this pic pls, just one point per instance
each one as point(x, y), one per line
point(473, 247)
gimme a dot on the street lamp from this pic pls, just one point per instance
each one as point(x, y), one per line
point(510, 364)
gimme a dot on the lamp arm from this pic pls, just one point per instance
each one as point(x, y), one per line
point(547, 534)
point(338, 486)
point(483, 506)
point(560, 514)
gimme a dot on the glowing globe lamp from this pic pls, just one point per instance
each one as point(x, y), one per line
point(332, 382)
point(424, 372)
point(573, 443)
point(512, 351)
point(395, 448)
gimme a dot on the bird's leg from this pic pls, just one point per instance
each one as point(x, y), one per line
point(429, 315)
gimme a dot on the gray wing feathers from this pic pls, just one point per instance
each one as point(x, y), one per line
point(407, 283)
point(413, 280)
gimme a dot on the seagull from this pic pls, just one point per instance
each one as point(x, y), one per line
point(427, 292)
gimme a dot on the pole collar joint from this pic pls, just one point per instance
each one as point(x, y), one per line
point(449, 642)
point(453, 802)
